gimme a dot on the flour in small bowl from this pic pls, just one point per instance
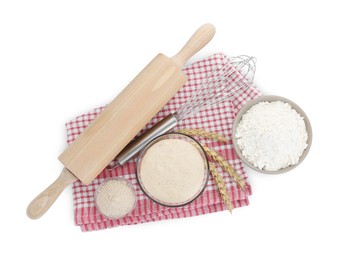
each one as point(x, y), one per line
point(272, 135)
point(115, 198)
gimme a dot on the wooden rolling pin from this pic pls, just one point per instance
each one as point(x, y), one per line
point(121, 120)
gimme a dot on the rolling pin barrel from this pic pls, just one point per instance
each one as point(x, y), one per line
point(123, 118)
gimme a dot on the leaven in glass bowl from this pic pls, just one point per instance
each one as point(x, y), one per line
point(115, 198)
point(269, 98)
point(203, 156)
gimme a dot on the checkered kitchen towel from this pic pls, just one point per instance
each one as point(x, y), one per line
point(218, 118)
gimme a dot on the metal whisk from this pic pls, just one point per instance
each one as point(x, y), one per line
point(223, 82)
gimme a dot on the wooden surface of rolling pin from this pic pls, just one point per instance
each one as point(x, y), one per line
point(121, 120)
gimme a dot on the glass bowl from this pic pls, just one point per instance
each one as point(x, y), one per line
point(174, 187)
point(115, 198)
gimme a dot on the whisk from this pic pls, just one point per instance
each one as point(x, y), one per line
point(224, 82)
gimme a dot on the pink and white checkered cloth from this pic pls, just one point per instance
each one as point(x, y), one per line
point(218, 118)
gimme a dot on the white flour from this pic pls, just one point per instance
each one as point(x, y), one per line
point(172, 171)
point(272, 135)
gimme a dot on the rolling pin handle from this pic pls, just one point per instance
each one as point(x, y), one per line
point(44, 200)
point(199, 39)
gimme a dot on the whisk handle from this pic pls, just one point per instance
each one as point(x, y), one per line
point(135, 146)
point(198, 40)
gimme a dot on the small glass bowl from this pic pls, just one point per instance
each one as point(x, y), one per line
point(99, 190)
point(181, 137)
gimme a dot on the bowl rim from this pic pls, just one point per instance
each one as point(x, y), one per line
point(207, 174)
point(271, 98)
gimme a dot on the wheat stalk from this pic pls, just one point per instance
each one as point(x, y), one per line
point(226, 166)
point(221, 187)
point(204, 133)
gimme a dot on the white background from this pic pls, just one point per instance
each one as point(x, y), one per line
point(59, 59)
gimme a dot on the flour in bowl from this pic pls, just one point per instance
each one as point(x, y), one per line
point(173, 171)
point(272, 135)
point(115, 198)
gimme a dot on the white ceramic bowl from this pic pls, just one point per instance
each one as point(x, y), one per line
point(246, 107)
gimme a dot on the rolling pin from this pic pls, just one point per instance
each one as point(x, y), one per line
point(121, 120)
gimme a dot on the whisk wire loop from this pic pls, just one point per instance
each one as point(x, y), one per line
point(223, 82)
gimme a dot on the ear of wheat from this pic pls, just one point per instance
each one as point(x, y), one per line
point(221, 187)
point(204, 133)
point(226, 166)
point(215, 156)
